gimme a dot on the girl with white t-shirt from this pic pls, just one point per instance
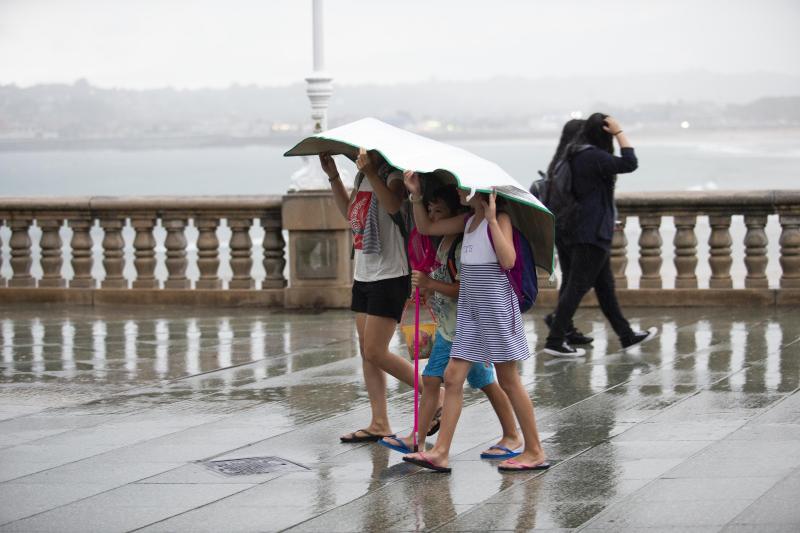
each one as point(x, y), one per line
point(489, 326)
point(381, 283)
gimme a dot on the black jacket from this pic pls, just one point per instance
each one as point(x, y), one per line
point(594, 174)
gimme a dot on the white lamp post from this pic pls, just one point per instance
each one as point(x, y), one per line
point(320, 270)
point(320, 90)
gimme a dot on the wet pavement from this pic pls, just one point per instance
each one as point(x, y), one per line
point(106, 413)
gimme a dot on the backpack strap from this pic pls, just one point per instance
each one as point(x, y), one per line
point(515, 291)
point(358, 180)
point(451, 258)
point(491, 241)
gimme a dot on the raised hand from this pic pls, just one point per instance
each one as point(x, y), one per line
point(490, 208)
point(364, 162)
point(328, 165)
point(612, 126)
point(411, 181)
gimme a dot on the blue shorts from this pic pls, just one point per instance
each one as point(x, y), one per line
point(479, 375)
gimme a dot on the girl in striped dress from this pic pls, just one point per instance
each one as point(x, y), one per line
point(489, 326)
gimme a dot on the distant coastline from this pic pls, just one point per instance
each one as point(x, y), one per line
point(221, 141)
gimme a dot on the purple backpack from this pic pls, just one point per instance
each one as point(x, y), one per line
point(522, 275)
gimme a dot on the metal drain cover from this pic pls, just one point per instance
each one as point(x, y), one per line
point(252, 466)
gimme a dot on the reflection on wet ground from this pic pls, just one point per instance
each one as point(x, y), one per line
point(104, 413)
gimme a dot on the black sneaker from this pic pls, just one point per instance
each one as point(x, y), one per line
point(577, 338)
point(638, 338)
point(573, 337)
point(564, 350)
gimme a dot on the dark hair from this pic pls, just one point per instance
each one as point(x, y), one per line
point(594, 134)
point(568, 134)
point(447, 194)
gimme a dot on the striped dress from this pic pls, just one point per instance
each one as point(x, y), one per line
point(489, 326)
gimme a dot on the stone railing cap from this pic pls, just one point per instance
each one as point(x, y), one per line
point(42, 206)
point(699, 202)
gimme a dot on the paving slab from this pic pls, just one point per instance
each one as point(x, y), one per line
point(123, 509)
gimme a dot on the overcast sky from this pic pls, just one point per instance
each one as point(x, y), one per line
point(214, 43)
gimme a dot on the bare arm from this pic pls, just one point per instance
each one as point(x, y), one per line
point(623, 141)
point(614, 128)
point(502, 233)
point(447, 226)
point(340, 196)
point(389, 198)
point(448, 289)
point(613, 165)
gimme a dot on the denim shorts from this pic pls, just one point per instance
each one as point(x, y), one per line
point(479, 375)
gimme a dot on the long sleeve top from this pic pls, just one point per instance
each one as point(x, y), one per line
point(594, 175)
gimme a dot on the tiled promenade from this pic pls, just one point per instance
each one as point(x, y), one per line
point(104, 413)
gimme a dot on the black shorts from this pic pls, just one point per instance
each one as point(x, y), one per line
point(386, 297)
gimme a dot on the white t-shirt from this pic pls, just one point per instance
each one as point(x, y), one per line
point(392, 262)
point(476, 248)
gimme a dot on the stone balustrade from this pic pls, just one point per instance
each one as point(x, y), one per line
point(143, 217)
point(646, 218)
point(670, 248)
point(718, 207)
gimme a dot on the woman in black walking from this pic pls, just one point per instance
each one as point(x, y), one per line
point(594, 169)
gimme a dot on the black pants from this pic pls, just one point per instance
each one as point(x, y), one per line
point(564, 260)
point(588, 267)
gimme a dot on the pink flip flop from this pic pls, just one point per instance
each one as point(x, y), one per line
point(522, 467)
point(424, 462)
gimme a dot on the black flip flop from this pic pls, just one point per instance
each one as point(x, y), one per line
point(427, 463)
point(522, 467)
point(369, 437)
point(438, 418)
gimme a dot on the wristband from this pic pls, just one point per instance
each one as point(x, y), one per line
point(414, 200)
point(336, 177)
point(615, 134)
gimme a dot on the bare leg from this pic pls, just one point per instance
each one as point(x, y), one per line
point(508, 377)
point(505, 414)
point(454, 377)
point(427, 408)
point(375, 381)
point(378, 333)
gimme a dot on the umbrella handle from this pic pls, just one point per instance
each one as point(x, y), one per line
point(472, 192)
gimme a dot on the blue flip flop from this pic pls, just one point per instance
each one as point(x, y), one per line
point(510, 454)
point(401, 447)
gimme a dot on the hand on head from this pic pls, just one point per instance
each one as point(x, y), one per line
point(612, 126)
